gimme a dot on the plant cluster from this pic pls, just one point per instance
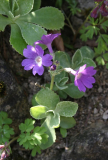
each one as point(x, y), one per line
point(28, 21)
point(72, 5)
point(70, 76)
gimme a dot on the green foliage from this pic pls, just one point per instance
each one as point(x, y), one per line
point(62, 58)
point(54, 112)
point(32, 137)
point(66, 108)
point(77, 59)
point(67, 122)
point(88, 32)
point(73, 6)
point(94, 28)
point(27, 21)
point(73, 91)
point(82, 56)
point(47, 98)
point(38, 112)
point(63, 132)
point(5, 130)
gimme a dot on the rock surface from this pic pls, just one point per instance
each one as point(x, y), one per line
point(91, 144)
point(13, 100)
point(86, 4)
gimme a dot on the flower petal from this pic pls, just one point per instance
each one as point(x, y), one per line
point(38, 70)
point(53, 36)
point(27, 61)
point(29, 66)
point(39, 50)
point(30, 52)
point(82, 68)
point(46, 60)
point(87, 81)
point(89, 71)
point(80, 85)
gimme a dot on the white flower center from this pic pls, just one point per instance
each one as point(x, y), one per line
point(38, 60)
point(79, 75)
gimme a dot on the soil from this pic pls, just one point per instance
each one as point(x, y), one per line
point(92, 107)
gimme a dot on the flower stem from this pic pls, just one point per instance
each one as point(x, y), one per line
point(11, 141)
point(52, 82)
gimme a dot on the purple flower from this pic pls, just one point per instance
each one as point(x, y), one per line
point(103, 9)
point(2, 146)
point(4, 152)
point(36, 60)
point(94, 13)
point(47, 40)
point(53, 67)
point(83, 77)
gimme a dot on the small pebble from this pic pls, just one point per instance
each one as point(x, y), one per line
point(95, 111)
point(105, 115)
point(100, 89)
point(106, 101)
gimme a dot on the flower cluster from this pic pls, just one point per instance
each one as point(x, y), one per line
point(83, 77)
point(35, 58)
point(4, 152)
point(103, 9)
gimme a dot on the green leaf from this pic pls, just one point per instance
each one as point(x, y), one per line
point(25, 6)
point(87, 52)
point(27, 126)
point(58, 3)
point(30, 32)
point(37, 4)
point(62, 58)
point(4, 21)
point(90, 32)
point(33, 153)
point(73, 91)
point(48, 98)
point(38, 112)
point(83, 37)
point(54, 120)
point(66, 108)
point(42, 130)
point(4, 7)
point(102, 46)
point(63, 132)
point(67, 122)
point(62, 94)
point(3, 115)
point(105, 37)
point(7, 121)
point(4, 139)
point(105, 56)
point(76, 59)
point(50, 132)
point(34, 103)
point(88, 62)
point(63, 81)
point(16, 39)
point(47, 17)
point(61, 85)
point(59, 77)
point(100, 60)
point(104, 25)
point(13, 6)
point(107, 65)
point(44, 138)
